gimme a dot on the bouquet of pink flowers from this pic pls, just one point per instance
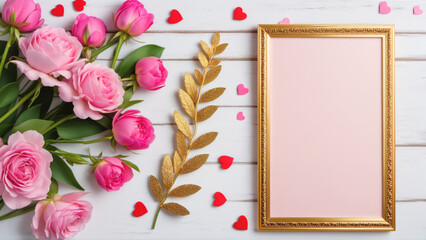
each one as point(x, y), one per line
point(92, 100)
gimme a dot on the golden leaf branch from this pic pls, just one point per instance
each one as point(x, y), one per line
point(190, 99)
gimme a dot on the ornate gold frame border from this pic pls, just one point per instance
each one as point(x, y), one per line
point(387, 222)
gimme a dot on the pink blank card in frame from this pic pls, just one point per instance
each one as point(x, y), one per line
point(326, 127)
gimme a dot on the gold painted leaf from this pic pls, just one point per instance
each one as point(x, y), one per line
point(216, 39)
point(212, 74)
point(204, 140)
point(194, 163)
point(221, 48)
point(177, 162)
point(212, 94)
point(156, 188)
point(199, 76)
point(175, 208)
point(190, 86)
point(181, 144)
point(167, 171)
point(214, 62)
point(207, 49)
point(182, 124)
point(206, 113)
point(203, 60)
point(184, 190)
point(187, 103)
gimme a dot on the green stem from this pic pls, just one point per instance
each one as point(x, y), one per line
point(6, 49)
point(12, 110)
point(108, 137)
point(117, 49)
point(17, 212)
point(58, 123)
point(100, 50)
point(155, 218)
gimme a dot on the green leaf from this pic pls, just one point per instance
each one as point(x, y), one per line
point(9, 93)
point(73, 158)
point(128, 94)
point(129, 104)
point(132, 165)
point(62, 172)
point(4, 127)
point(10, 73)
point(38, 125)
point(79, 128)
point(128, 64)
point(53, 190)
point(31, 113)
point(105, 122)
point(45, 99)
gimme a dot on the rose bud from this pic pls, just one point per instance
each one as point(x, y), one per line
point(111, 173)
point(90, 31)
point(27, 14)
point(151, 73)
point(133, 18)
point(61, 217)
point(132, 130)
point(24, 169)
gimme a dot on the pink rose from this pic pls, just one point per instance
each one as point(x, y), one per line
point(61, 217)
point(133, 18)
point(96, 30)
point(111, 173)
point(50, 51)
point(132, 130)
point(24, 169)
point(27, 14)
point(150, 73)
point(95, 90)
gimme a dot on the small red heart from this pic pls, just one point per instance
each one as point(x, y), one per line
point(226, 161)
point(175, 17)
point(241, 224)
point(58, 10)
point(140, 209)
point(239, 14)
point(79, 5)
point(220, 199)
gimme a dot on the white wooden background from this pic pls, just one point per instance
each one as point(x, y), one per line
point(112, 211)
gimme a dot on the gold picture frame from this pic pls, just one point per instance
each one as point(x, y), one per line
point(387, 221)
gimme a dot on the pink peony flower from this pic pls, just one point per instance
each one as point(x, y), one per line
point(61, 217)
point(96, 30)
point(133, 18)
point(27, 14)
point(96, 89)
point(24, 169)
point(150, 73)
point(132, 130)
point(50, 51)
point(111, 173)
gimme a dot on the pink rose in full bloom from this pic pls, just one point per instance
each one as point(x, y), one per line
point(27, 14)
point(50, 52)
point(151, 73)
point(61, 217)
point(133, 18)
point(132, 130)
point(96, 30)
point(111, 173)
point(96, 89)
point(24, 169)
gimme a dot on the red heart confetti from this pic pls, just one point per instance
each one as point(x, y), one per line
point(239, 14)
point(241, 224)
point(140, 209)
point(220, 199)
point(226, 161)
point(175, 17)
point(79, 5)
point(58, 10)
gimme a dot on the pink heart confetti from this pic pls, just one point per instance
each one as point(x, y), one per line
point(384, 8)
point(241, 90)
point(417, 10)
point(285, 21)
point(240, 116)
